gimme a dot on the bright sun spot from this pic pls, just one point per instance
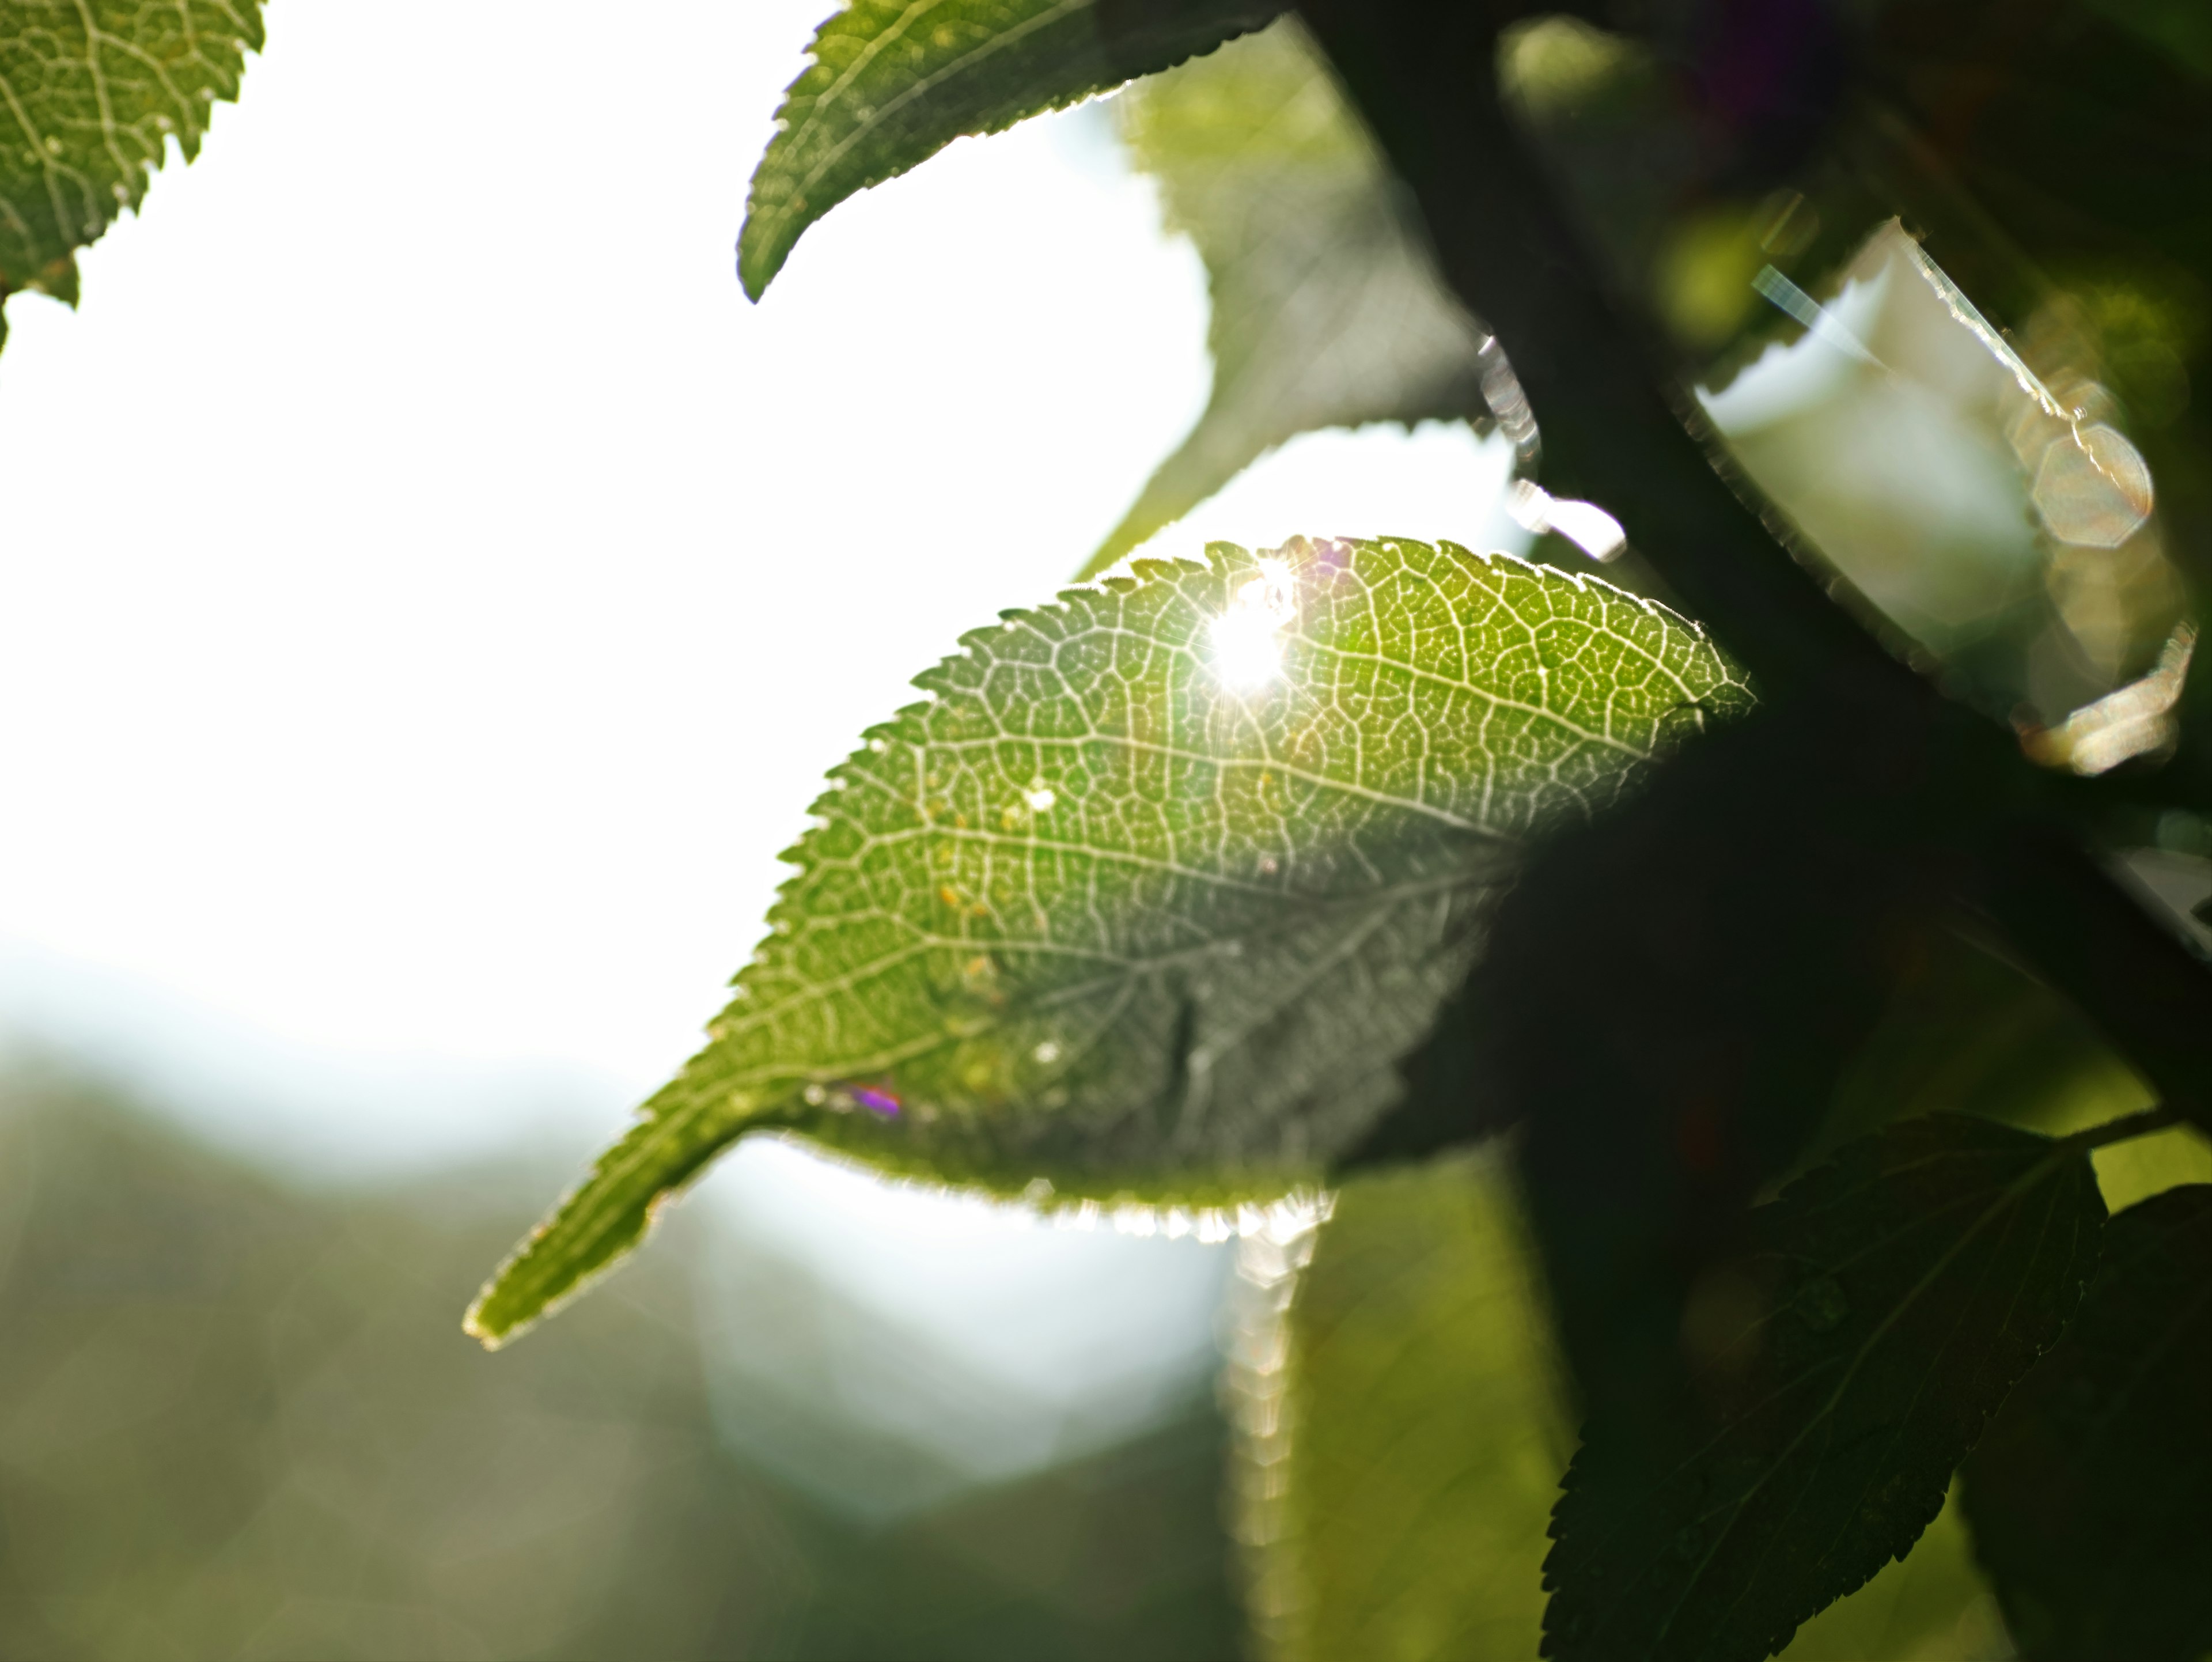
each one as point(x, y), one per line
point(1248, 647)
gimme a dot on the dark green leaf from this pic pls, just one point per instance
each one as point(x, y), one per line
point(894, 82)
point(1666, 999)
point(90, 93)
point(1841, 1369)
point(1130, 906)
point(1933, 1607)
point(1326, 311)
point(2088, 1497)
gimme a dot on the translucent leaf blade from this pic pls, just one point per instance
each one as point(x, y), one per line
point(1325, 308)
point(90, 95)
point(2087, 1496)
point(1150, 896)
point(893, 81)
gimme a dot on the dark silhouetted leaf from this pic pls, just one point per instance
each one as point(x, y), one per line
point(1666, 1000)
point(90, 95)
point(1326, 311)
point(1426, 1431)
point(1152, 894)
point(2088, 1497)
point(894, 82)
point(1841, 1369)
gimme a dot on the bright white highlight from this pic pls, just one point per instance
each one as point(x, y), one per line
point(1585, 525)
point(1248, 646)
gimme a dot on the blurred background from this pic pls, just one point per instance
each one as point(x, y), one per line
point(431, 595)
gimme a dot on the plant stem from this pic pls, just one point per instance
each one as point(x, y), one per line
point(1424, 74)
point(2163, 1117)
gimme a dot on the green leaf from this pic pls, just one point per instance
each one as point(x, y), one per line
point(90, 93)
point(2087, 1498)
point(1327, 309)
point(1427, 1429)
point(1104, 912)
point(894, 82)
point(1933, 1607)
point(1846, 1365)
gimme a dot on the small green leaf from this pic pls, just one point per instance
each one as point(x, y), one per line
point(894, 82)
point(1846, 1365)
point(90, 93)
point(1327, 309)
point(2087, 1498)
point(1150, 896)
point(1427, 1430)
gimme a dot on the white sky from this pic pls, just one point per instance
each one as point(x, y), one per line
point(429, 592)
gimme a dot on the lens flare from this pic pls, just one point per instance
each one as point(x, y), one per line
point(1247, 639)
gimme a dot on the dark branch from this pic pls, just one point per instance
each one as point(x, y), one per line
point(1425, 76)
point(1423, 73)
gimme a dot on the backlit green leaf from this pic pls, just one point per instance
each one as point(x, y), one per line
point(2088, 1497)
point(894, 82)
point(91, 91)
point(1327, 311)
point(1892, 1299)
point(1153, 891)
point(1427, 1427)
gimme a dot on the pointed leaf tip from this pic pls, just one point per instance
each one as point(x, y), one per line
point(891, 83)
point(602, 1219)
point(1152, 892)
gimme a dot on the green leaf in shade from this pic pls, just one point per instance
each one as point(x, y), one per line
point(1428, 1429)
point(1933, 1607)
point(1150, 895)
point(1327, 311)
point(2087, 1498)
point(91, 91)
point(1845, 1368)
point(894, 82)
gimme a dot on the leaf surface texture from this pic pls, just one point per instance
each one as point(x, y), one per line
point(91, 91)
point(1427, 1429)
point(1099, 912)
point(1891, 1299)
point(894, 82)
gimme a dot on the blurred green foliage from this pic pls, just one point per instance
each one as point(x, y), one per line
point(236, 1420)
point(1327, 311)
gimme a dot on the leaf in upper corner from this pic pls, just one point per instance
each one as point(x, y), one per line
point(894, 82)
point(1426, 1428)
point(1844, 1366)
point(1327, 309)
point(1153, 891)
point(91, 91)
point(2087, 1498)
